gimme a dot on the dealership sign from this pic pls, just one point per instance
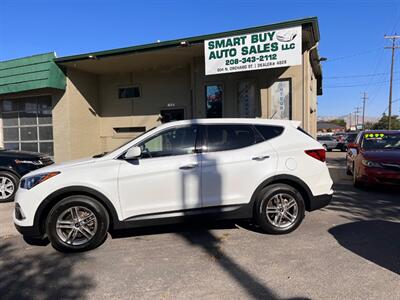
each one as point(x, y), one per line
point(254, 51)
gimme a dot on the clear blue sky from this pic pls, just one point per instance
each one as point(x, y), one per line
point(351, 34)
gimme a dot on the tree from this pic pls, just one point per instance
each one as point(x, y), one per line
point(383, 122)
point(339, 122)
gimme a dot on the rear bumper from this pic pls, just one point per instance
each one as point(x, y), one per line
point(320, 201)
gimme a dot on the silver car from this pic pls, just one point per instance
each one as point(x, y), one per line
point(328, 142)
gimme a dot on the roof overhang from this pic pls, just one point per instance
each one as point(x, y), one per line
point(181, 50)
point(31, 73)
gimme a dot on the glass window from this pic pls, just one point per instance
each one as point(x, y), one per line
point(281, 100)
point(214, 96)
point(47, 148)
point(11, 146)
point(129, 92)
point(10, 119)
point(33, 147)
point(176, 141)
point(27, 124)
point(11, 134)
point(247, 99)
point(27, 118)
point(45, 133)
point(268, 132)
point(28, 133)
point(229, 137)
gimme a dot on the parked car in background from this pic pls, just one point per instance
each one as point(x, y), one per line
point(266, 170)
point(345, 139)
point(328, 142)
point(15, 164)
point(374, 158)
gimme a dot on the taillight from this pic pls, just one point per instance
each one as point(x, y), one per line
point(319, 154)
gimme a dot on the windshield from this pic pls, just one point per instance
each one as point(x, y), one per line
point(376, 141)
point(120, 146)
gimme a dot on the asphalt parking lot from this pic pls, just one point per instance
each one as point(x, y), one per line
point(348, 250)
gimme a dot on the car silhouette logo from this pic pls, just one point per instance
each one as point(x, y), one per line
point(286, 36)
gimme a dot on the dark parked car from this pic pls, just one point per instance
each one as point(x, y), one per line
point(374, 158)
point(15, 164)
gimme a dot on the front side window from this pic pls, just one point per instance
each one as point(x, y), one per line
point(27, 124)
point(175, 141)
point(229, 137)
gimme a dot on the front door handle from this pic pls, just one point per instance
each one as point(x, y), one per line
point(189, 166)
point(260, 158)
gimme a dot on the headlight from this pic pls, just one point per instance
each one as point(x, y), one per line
point(31, 181)
point(30, 162)
point(371, 164)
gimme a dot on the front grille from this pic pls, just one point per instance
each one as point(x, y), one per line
point(391, 166)
point(389, 180)
point(19, 215)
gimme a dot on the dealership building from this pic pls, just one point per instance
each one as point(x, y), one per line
point(76, 106)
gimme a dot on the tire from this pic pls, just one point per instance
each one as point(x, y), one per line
point(270, 197)
point(348, 171)
point(77, 234)
point(356, 182)
point(8, 186)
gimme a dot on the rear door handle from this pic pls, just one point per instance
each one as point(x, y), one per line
point(189, 166)
point(260, 158)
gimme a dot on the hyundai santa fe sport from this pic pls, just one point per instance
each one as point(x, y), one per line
point(267, 170)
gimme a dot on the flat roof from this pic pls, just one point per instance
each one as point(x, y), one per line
point(312, 21)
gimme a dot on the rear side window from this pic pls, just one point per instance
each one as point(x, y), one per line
point(269, 132)
point(230, 137)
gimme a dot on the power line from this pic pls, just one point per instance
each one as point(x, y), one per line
point(352, 55)
point(357, 76)
point(358, 84)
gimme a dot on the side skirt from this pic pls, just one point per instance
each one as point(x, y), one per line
point(229, 212)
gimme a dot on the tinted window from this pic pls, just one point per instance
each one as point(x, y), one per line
point(269, 132)
point(176, 141)
point(129, 92)
point(229, 137)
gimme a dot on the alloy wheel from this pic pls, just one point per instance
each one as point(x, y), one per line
point(282, 210)
point(7, 188)
point(76, 225)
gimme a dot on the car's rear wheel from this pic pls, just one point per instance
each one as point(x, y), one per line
point(279, 209)
point(8, 186)
point(77, 223)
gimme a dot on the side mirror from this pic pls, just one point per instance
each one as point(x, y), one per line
point(353, 146)
point(133, 153)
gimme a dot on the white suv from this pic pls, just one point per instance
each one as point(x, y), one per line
point(268, 170)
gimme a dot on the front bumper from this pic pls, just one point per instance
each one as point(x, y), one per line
point(29, 231)
point(378, 176)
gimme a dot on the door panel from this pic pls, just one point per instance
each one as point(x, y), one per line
point(158, 185)
point(165, 178)
point(230, 177)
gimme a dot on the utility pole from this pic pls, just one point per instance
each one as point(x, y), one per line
point(393, 47)
point(350, 118)
point(364, 97)
point(357, 110)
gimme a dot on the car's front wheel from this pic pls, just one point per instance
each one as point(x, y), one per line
point(8, 186)
point(279, 209)
point(77, 223)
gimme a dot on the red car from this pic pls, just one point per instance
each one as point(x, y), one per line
point(374, 158)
